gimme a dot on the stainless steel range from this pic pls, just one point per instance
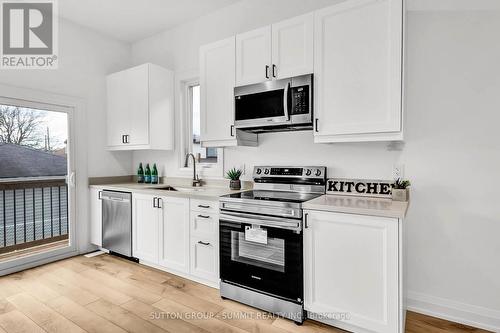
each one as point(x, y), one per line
point(261, 239)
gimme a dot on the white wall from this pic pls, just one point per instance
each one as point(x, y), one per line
point(451, 153)
point(85, 57)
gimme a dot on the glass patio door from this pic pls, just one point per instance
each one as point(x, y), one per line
point(36, 182)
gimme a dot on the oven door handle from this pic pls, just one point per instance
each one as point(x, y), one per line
point(295, 225)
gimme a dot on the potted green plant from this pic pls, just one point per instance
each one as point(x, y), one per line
point(400, 190)
point(234, 176)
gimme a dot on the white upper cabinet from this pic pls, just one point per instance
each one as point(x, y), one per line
point(292, 42)
point(358, 52)
point(140, 108)
point(351, 266)
point(217, 73)
point(253, 56)
point(282, 50)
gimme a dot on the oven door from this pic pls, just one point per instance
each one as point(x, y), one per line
point(272, 265)
point(262, 104)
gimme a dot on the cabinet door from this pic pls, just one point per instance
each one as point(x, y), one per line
point(95, 217)
point(145, 228)
point(217, 92)
point(205, 258)
point(358, 62)
point(253, 56)
point(351, 266)
point(174, 233)
point(138, 99)
point(293, 47)
point(118, 108)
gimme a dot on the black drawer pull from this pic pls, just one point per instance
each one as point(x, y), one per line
point(203, 206)
point(204, 216)
point(203, 243)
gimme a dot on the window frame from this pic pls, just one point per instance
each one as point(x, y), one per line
point(184, 81)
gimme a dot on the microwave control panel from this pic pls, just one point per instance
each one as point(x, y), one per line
point(300, 100)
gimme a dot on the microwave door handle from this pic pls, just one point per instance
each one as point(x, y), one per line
point(285, 101)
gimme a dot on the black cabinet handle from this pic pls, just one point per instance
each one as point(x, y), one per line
point(158, 200)
point(306, 225)
point(123, 138)
point(203, 206)
point(154, 203)
point(232, 130)
point(127, 138)
point(99, 195)
point(316, 125)
point(203, 243)
point(267, 72)
point(274, 70)
point(204, 216)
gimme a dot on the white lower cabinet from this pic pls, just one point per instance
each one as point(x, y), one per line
point(174, 234)
point(204, 232)
point(204, 258)
point(352, 271)
point(145, 225)
point(179, 235)
point(95, 217)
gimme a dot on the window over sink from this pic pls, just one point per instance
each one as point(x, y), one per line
point(208, 160)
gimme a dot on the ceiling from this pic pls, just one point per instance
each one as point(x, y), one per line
point(132, 20)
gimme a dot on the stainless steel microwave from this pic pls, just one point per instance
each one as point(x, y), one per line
point(278, 105)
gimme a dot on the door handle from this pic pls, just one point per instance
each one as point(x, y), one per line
point(203, 243)
point(267, 72)
point(204, 216)
point(306, 225)
point(203, 206)
point(285, 101)
point(99, 195)
point(123, 138)
point(274, 70)
point(154, 203)
point(316, 125)
point(127, 138)
point(159, 203)
point(231, 130)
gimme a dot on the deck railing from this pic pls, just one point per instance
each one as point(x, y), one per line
point(32, 212)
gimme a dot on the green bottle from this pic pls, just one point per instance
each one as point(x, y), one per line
point(140, 174)
point(147, 175)
point(154, 175)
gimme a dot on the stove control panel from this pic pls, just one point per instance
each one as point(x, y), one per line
point(289, 172)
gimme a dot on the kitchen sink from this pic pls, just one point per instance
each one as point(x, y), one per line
point(166, 188)
point(180, 189)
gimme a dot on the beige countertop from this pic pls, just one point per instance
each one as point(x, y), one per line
point(183, 191)
point(358, 205)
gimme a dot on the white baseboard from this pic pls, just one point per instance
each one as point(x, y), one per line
point(466, 314)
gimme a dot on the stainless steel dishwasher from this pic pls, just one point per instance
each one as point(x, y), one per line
point(117, 222)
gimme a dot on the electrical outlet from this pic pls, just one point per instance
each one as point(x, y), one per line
point(398, 171)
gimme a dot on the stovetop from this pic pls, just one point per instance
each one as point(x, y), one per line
point(266, 195)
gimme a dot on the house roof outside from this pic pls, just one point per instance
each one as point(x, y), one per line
point(20, 161)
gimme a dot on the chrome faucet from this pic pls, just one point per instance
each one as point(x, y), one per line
point(196, 179)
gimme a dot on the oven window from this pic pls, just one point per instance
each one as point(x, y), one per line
point(260, 105)
point(269, 256)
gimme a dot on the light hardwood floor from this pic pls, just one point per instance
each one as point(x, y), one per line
point(109, 294)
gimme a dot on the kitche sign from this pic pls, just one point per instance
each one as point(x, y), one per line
point(359, 187)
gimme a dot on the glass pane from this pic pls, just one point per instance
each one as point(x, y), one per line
point(34, 163)
point(205, 155)
point(261, 105)
point(269, 256)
